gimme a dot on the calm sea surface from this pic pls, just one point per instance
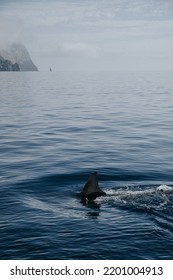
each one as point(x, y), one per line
point(58, 128)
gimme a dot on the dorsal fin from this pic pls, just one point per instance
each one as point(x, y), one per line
point(92, 185)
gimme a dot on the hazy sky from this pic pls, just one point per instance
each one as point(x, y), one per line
point(91, 34)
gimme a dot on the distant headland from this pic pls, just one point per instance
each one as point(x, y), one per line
point(15, 57)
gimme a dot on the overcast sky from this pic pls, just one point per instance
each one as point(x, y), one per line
point(91, 34)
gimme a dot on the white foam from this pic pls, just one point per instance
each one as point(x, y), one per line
point(127, 192)
point(139, 197)
point(165, 188)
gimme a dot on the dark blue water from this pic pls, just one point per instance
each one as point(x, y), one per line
point(58, 128)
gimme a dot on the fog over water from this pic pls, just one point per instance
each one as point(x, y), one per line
point(60, 126)
point(91, 35)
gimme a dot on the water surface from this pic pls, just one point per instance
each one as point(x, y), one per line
point(58, 128)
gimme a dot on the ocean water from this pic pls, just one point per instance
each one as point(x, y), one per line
point(58, 128)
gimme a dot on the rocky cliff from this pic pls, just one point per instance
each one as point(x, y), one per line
point(17, 53)
point(7, 65)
